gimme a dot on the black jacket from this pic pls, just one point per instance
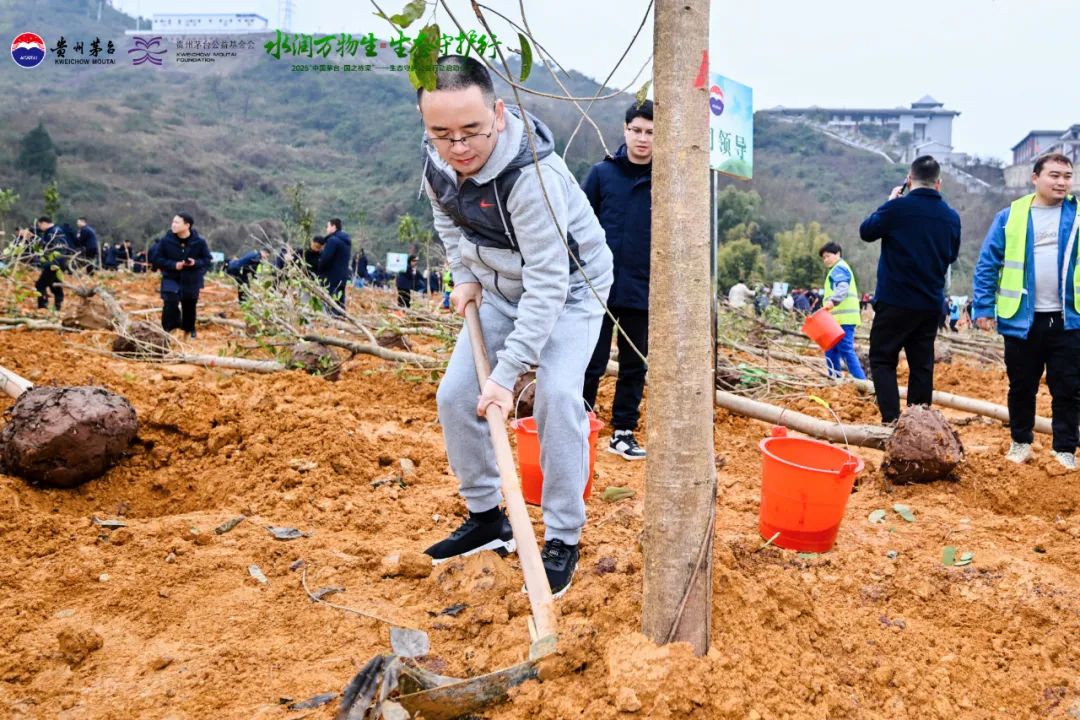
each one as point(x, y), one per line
point(410, 280)
point(168, 251)
point(920, 238)
point(334, 259)
point(620, 193)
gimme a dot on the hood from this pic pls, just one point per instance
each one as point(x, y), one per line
point(511, 150)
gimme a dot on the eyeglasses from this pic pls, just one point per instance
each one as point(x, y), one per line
point(638, 132)
point(448, 142)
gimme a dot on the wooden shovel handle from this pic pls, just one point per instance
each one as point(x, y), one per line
point(532, 567)
point(14, 385)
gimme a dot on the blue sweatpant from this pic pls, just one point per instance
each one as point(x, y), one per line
point(845, 351)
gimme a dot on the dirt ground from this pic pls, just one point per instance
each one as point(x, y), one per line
point(163, 618)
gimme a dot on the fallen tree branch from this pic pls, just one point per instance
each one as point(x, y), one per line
point(870, 436)
point(966, 404)
point(376, 350)
point(228, 363)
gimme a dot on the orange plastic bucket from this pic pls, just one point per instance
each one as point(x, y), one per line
point(805, 486)
point(528, 452)
point(822, 328)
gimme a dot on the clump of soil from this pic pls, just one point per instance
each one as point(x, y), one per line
point(942, 353)
point(315, 359)
point(87, 313)
point(64, 436)
point(142, 339)
point(923, 447)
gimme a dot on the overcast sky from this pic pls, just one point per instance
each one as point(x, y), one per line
point(1006, 65)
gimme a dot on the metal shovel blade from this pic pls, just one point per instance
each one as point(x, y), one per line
point(437, 697)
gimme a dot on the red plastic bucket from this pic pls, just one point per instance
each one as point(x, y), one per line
point(822, 328)
point(528, 452)
point(805, 486)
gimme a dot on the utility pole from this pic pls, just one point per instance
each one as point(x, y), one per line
point(680, 472)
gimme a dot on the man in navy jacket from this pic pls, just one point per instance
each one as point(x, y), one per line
point(620, 191)
point(182, 256)
point(86, 243)
point(334, 268)
point(920, 238)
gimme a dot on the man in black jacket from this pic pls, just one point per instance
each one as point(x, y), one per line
point(182, 256)
point(334, 263)
point(620, 191)
point(52, 251)
point(86, 243)
point(408, 280)
point(920, 238)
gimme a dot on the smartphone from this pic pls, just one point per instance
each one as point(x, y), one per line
point(903, 187)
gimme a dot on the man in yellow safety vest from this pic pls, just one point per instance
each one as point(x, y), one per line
point(1028, 280)
point(842, 300)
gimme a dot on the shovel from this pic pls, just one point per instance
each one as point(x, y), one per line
point(437, 697)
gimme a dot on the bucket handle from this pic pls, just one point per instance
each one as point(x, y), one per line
point(517, 403)
point(825, 405)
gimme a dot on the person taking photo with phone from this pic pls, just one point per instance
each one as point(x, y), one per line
point(182, 256)
point(920, 239)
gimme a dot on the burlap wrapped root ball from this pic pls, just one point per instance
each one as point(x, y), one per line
point(922, 448)
point(64, 436)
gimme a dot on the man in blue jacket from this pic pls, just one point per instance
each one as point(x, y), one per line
point(920, 238)
point(334, 268)
point(182, 256)
point(620, 191)
point(1028, 278)
point(243, 268)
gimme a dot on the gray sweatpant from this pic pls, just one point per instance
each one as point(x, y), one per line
point(559, 410)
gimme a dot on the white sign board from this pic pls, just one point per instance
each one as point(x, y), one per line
point(396, 262)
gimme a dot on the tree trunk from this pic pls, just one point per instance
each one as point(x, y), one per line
point(871, 436)
point(680, 472)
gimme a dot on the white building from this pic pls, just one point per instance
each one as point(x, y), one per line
point(927, 123)
point(209, 23)
point(1040, 142)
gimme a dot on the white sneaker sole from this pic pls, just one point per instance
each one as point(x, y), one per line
point(1018, 461)
point(623, 455)
point(506, 546)
point(554, 596)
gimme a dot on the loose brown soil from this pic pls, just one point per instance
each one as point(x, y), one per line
point(163, 618)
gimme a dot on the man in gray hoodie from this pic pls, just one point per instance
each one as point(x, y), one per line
point(529, 269)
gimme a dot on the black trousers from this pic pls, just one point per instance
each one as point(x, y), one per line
point(630, 386)
point(912, 331)
point(44, 284)
point(178, 312)
point(337, 291)
point(1048, 345)
point(404, 298)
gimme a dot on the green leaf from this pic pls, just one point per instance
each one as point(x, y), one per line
point(965, 559)
point(615, 494)
point(642, 94)
point(409, 13)
point(422, 57)
point(526, 57)
point(807, 556)
point(877, 517)
point(948, 556)
point(820, 401)
point(904, 511)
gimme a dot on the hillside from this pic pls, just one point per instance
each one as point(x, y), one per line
point(137, 144)
point(225, 141)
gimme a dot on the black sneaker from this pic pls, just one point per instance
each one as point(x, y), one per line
point(560, 562)
point(624, 445)
point(489, 530)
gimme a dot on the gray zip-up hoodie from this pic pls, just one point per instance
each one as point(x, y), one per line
point(537, 276)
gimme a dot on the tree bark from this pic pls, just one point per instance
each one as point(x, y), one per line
point(680, 472)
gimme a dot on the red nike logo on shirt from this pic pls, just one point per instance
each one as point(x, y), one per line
point(485, 204)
